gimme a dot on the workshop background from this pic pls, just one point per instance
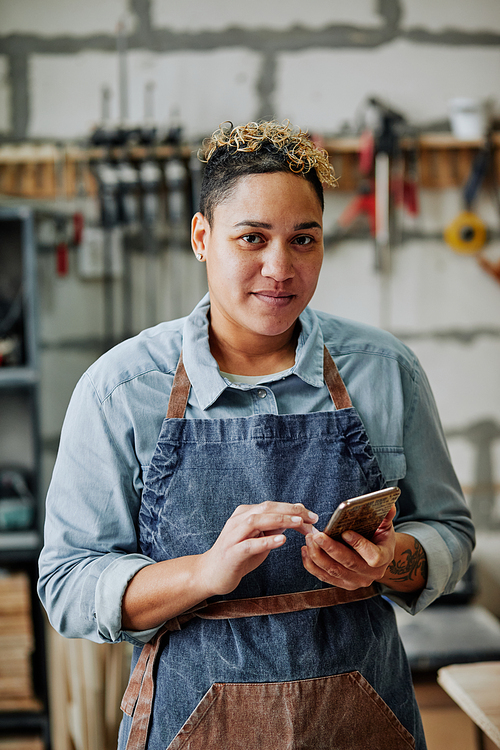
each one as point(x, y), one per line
point(102, 108)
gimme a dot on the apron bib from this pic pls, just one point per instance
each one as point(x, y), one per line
point(284, 661)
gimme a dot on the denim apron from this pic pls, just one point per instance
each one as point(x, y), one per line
point(284, 661)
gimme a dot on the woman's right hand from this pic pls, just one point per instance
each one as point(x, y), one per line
point(246, 540)
point(167, 588)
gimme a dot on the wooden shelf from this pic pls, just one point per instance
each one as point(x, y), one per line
point(50, 171)
point(442, 160)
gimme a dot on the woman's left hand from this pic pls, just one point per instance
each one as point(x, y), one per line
point(351, 567)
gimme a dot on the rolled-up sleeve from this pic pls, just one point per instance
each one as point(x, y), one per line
point(431, 507)
point(90, 549)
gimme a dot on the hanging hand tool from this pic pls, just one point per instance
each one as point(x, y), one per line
point(386, 150)
point(129, 217)
point(121, 48)
point(380, 188)
point(364, 202)
point(150, 179)
point(62, 258)
point(127, 193)
point(492, 268)
point(78, 224)
point(68, 235)
point(176, 179)
point(61, 248)
point(467, 233)
point(108, 189)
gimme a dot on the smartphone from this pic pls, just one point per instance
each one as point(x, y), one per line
point(362, 514)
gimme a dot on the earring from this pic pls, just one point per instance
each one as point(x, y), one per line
point(199, 256)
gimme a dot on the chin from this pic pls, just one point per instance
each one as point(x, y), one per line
point(271, 329)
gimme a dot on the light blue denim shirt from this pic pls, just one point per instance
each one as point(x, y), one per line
point(114, 420)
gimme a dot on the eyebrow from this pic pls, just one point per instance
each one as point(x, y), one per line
point(265, 225)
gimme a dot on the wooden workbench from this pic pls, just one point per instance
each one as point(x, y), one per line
point(476, 689)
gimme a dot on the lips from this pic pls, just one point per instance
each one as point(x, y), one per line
point(272, 293)
point(276, 299)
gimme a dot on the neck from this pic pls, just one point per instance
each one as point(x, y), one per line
point(262, 357)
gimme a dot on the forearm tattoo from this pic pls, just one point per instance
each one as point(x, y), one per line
point(411, 563)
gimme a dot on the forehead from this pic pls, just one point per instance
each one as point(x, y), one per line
point(269, 194)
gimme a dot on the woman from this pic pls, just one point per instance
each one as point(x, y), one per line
point(148, 518)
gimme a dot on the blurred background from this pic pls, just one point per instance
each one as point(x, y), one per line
point(103, 106)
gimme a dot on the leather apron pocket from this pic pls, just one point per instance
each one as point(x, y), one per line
point(342, 712)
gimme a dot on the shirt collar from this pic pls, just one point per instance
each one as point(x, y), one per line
point(201, 367)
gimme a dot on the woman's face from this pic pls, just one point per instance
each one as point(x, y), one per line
point(263, 252)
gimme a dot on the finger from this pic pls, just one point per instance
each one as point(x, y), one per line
point(290, 509)
point(324, 554)
point(319, 542)
point(260, 519)
point(258, 545)
point(328, 571)
point(269, 506)
point(374, 554)
point(340, 560)
point(270, 523)
point(387, 522)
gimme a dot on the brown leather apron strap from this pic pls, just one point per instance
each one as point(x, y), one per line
point(283, 603)
point(181, 386)
point(334, 382)
point(180, 392)
point(138, 698)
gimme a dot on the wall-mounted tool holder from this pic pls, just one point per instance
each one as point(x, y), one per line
point(442, 161)
point(44, 172)
point(47, 172)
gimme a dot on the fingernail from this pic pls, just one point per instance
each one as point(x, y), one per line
point(348, 537)
point(313, 516)
point(296, 519)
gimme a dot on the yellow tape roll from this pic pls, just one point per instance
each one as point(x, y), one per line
point(466, 233)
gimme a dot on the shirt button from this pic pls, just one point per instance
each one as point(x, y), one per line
point(261, 393)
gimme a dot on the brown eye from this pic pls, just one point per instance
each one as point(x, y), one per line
point(252, 239)
point(304, 239)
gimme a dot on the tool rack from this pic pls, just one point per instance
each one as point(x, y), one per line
point(48, 171)
point(442, 160)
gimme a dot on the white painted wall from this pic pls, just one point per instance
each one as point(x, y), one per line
point(448, 14)
point(193, 15)
point(65, 90)
point(322, 89)
point(63, 17)
point(315, 63)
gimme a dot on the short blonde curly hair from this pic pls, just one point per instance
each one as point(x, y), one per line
point(259, 148)
point(301, 153)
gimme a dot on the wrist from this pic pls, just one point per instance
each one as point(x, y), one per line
point(161, 591)
point(408, 570)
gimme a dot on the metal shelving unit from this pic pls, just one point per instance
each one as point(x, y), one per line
point(21, 534)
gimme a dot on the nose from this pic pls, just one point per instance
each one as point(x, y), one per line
point(278, 263)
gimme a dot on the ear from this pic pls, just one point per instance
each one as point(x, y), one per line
point(200, 231)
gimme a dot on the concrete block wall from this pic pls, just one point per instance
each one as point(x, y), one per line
point(314, 63)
